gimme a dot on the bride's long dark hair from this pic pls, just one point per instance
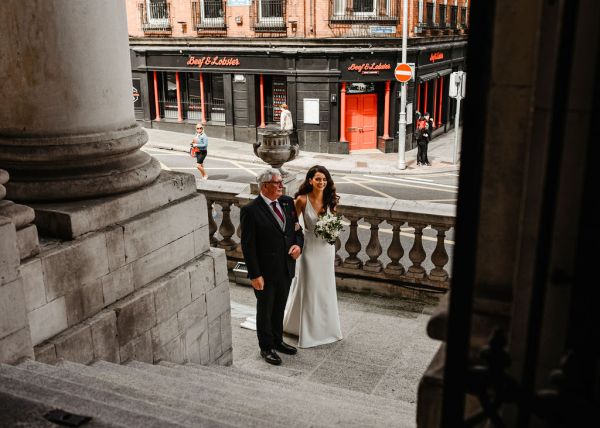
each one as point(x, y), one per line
point(330, 197)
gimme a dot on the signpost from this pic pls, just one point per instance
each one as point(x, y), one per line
point(457, 89)
point(403, 74)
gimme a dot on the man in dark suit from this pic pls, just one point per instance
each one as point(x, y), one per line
point(271, 241)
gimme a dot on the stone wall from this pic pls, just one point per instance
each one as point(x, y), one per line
point(146, 287)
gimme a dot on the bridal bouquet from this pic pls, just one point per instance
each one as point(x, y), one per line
point(329, 227)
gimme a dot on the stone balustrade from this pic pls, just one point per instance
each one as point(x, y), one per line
point(362, 258)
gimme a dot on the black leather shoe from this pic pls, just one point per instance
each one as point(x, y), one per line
point(286, 349)
point(271, 357)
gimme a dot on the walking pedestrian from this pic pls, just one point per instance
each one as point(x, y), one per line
point(200, 143)
point(287, 124)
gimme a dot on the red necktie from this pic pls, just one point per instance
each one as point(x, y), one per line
point(274, 205)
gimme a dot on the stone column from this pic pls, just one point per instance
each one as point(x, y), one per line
point(68, 129)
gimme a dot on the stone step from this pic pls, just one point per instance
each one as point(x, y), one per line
point(324, 405)
point(22, 384)
point(299, 383)
point(149, 403)
point(23, 412)
point(219, 395)
point(302, 384)
point(142, 390)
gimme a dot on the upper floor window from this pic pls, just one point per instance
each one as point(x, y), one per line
point(269, 16)
point(154, 15)
point(363, 9)
point(209, 14)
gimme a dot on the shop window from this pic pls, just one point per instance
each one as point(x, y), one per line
point(360, 88)
point(214, 99)
point(215, 106)
point(168, 95)
point(275, 95)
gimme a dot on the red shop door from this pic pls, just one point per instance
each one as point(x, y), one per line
point(361, 121)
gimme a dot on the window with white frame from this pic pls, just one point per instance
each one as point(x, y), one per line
point(211, 13)
point(157, 12)
point(270, 11)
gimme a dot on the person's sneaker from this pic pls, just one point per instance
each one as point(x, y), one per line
point(205, 177)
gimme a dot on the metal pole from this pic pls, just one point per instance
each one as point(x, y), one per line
point(459, 81)
point(402, 124)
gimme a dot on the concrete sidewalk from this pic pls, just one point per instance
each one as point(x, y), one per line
point(440, 155)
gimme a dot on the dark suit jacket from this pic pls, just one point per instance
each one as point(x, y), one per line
point(264, 243)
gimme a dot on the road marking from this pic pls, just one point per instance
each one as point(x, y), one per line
point(249, 171)
point(163, 166)
point(404, 180)
point(438, 200)
point(371, 189)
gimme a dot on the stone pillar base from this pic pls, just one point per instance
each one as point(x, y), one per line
point(60, 168)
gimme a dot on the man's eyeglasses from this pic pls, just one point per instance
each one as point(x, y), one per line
point(199, 129)
point(277, 183)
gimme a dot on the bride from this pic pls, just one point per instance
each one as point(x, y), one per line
point(312, 309)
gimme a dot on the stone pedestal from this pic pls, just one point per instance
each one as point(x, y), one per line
point(68, 129)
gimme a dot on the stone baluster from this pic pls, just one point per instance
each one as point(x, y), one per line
point(227, 229)
point(212, 225)
point(238, 232)
point(439, 257)
point(69, 130)
point(395, 251)
point(417, 253)
point(338, 258)
point(3, 181)
point(374, 249)
point(353, 245)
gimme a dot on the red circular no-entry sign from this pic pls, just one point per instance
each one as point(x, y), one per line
point(403, 72)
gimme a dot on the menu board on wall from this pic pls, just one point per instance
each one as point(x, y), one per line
point(279, 97)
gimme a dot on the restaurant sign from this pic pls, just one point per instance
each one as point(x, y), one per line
point(214, 61)
point(367, 70)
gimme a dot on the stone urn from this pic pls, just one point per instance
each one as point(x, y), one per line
point(276, 149)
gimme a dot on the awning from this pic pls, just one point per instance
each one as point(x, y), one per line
point(431, 76)
point(428, 76)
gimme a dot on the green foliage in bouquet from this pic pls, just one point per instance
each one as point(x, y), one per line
point(329, 227)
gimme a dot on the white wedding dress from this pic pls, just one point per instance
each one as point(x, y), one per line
point(312, 310)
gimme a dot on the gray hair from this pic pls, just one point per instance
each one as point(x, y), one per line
point(267, 175)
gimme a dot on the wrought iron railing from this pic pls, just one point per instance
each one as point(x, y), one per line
point(155, 16)
point(269, 16)
point(410, 225)
point(373, 11)
point(208, 16)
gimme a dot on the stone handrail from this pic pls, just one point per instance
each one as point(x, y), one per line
point(353, 208)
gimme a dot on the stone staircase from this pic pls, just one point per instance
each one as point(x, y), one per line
point(143, 395)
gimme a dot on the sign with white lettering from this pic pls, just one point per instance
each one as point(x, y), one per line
point(239, 2)
point(379, 29)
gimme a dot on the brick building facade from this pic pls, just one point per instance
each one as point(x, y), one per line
point(231, 63)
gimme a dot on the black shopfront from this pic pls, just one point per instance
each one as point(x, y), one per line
point(340, 101)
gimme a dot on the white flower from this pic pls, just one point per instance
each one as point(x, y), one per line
point(329, 227)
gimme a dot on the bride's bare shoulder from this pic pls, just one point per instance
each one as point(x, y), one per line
point(300, 202)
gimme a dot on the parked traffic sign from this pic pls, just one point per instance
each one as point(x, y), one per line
point(403, 72)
